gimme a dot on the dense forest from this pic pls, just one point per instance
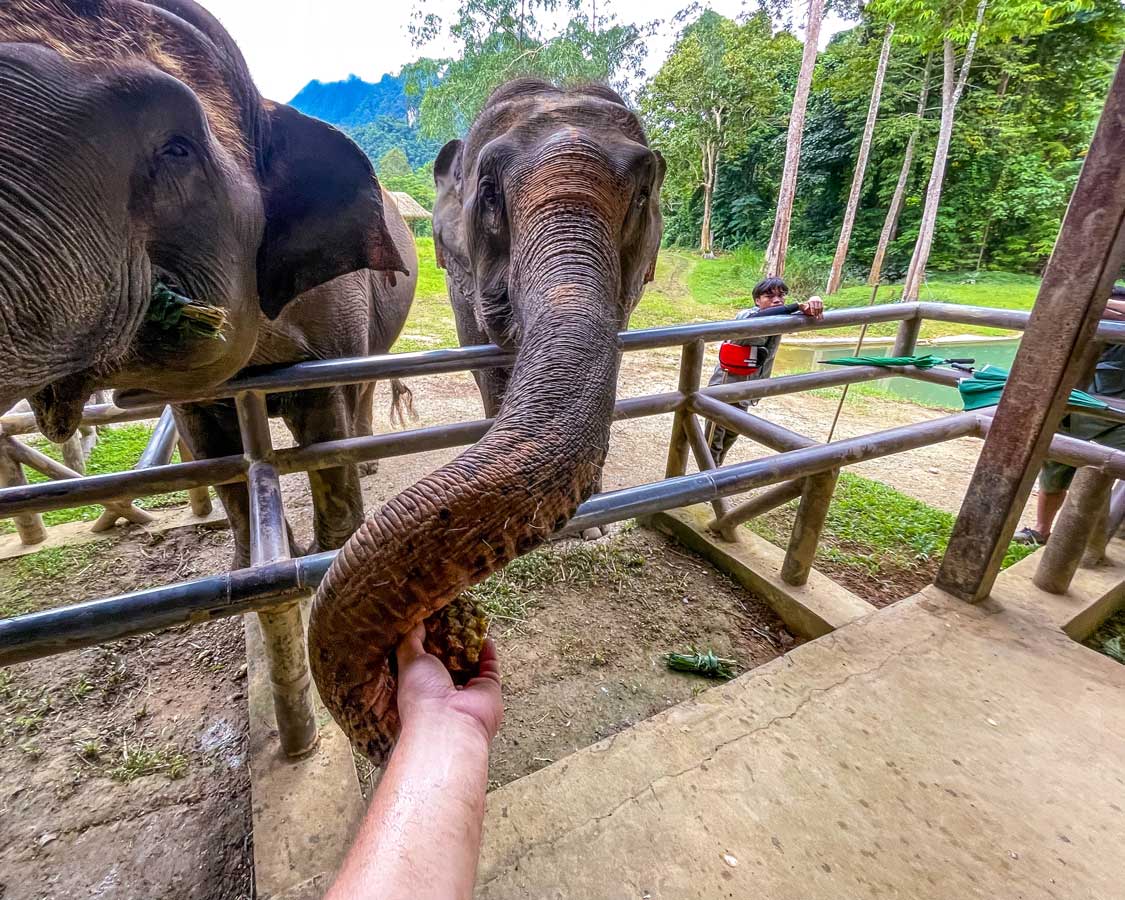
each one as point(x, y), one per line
point(1013, 87)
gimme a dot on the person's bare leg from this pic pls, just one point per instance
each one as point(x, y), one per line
point(1046, 508)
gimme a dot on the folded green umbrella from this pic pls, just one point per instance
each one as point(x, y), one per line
point(922, 362)
point(984, 389)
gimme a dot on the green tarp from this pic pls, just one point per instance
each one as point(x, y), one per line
point(921, 362)
point(984, 389)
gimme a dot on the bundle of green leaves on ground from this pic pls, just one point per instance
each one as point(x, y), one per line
point(706, 664)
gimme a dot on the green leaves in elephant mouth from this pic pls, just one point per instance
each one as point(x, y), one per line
point(181, 318)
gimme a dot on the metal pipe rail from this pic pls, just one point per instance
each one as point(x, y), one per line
point(273, 583)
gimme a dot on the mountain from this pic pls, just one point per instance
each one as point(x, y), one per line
point(353, 102)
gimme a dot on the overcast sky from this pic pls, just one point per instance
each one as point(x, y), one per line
point(289, 42)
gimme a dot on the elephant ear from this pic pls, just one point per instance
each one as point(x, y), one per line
point(447, 204)
point(324, 210)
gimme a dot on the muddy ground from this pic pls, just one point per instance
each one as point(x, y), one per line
point(123, 771)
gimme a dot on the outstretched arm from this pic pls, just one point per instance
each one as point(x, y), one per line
point(421, 836)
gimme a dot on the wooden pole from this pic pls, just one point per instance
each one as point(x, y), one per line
point(760, 504)
point(29, 526)
point(815, 500)
point(1088, 495)
point(1052, 355)
point(691, 371)
point(706, 462)
point(283, 629)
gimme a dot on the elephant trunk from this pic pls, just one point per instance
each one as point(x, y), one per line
point(500, 498)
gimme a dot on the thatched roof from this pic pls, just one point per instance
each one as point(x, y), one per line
point(410, 208)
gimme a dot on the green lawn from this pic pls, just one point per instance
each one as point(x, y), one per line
point(688, 288)
point(117, 450)
point(876, 538)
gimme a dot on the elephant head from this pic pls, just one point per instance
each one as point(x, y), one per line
point(548, 214)
point(137, 156)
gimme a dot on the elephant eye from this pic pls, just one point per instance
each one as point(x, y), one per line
point(488, 195)
point(176, 148)
point(642, 199)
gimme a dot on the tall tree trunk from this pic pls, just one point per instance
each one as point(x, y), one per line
point(983, 243)
point(951, 90)
point(779, 238)
point(710, 171)
point(837, 274)
point(890, 223)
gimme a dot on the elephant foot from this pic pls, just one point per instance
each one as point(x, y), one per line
point(370, 467)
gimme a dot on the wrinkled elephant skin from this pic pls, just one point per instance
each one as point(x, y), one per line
point(135, 150)
point(547, 222)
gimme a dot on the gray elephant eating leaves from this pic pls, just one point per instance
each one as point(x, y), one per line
point(548, 224)
point(138, 160)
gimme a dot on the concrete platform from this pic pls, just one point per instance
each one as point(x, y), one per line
point(811, 610)
point(305, 811)
point(929, 750)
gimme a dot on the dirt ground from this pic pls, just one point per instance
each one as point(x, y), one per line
point(123, 770)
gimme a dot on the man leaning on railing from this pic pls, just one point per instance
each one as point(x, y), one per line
point(1055, 477)
point(750, 358)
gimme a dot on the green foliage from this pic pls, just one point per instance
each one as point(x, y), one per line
point(871, 525)
point(1022, 130)
point(498, 40)
point(1110, 637)
point(706, 664)
point(721, 92)
point(378, 136)
point(393, 164)
point(117, 450)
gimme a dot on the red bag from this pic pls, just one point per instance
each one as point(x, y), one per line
point(738, 360)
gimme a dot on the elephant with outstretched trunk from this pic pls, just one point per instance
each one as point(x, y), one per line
point(548, 217)
point(162, 226)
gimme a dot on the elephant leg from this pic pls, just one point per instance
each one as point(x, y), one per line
point(492, 383)
point(210, 430)
point(362, 398)
point(325, 415)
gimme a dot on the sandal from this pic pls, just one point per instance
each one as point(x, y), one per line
point(1030, 537)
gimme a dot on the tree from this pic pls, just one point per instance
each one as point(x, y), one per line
point(392, 164)
point(951, 89)
point(499, 40)
point(894, 208)
point(718, 80)
point(949, 27)
point(779, 239)
point(837, 274)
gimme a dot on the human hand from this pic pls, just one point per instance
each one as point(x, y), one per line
point(428, 698)
point(813, 308)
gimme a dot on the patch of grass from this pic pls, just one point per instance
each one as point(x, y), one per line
point(509, 594)
point(1110, 638)
point(872, 529)
point(139, 760)
point(53, 563)
point(90, 749)
point(26, 584)
point(117, 450)
point(81, 688)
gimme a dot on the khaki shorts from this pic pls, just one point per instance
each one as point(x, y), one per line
point(1056, 476)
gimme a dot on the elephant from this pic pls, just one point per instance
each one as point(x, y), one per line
point(138, 162)
point(548, 220)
